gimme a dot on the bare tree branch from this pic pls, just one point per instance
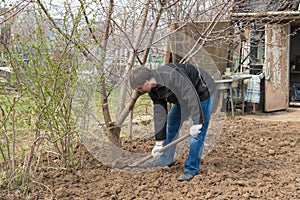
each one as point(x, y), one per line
point(82, 48)
point(17, 12)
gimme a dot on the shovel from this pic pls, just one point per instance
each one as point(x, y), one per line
point(137, 163)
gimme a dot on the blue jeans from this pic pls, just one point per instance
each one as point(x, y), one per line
point(174, 123)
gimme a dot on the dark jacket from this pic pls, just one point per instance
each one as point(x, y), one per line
point(179, 84)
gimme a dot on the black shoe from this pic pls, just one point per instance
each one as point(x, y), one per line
point(185, 177)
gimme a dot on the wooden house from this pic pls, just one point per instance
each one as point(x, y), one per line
point(261, 42)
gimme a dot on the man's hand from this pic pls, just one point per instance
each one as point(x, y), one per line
point(195, 130)
point(158, 145)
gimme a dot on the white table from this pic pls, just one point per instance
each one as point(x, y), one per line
point(226, 84)
point(232, 81)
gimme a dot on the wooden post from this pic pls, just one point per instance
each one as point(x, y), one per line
point(168, 48)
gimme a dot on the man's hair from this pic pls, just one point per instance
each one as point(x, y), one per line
point(139, 76)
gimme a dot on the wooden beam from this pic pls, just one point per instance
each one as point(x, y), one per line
point(287, 14)
point(168, 48)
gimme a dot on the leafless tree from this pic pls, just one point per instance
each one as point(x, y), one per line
point(115, 36)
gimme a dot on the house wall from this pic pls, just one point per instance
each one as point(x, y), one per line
point(209, 49)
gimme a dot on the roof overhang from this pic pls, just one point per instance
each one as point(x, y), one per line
point(269, 13)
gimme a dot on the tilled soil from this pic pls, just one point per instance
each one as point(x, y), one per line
point(253, 159)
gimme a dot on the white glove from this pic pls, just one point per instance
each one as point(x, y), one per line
point(154, 152)
point(195, 130)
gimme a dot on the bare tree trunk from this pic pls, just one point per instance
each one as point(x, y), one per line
point(131, 58)
point(128, 108)
point(152, 33)
point(125, 111)
point(113, 130)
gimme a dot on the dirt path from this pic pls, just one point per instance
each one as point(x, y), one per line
point(256, 157)
point(291, 114)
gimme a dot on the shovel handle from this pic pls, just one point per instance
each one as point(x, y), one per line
point(160, 150)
